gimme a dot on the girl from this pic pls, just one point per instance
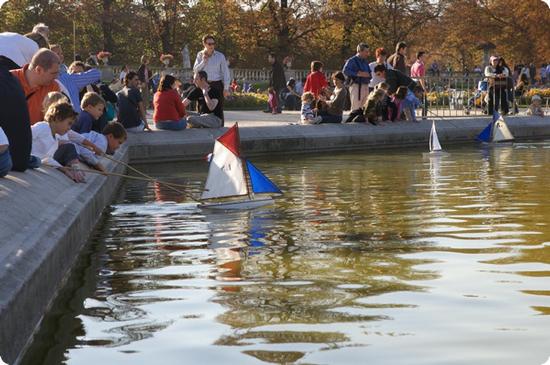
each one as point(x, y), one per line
point(272, 101)
point(169, 111)
point(395, 107)
point(307, 115)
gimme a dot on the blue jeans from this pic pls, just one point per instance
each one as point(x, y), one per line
point(5, 162)
point(172, 125)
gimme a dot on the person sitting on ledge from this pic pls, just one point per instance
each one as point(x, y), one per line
point(169, 112)
point(210, 110)
point(131, 109)
point(108, 141)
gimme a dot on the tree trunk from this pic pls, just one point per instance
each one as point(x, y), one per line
point(107, 26)
point(349, 21)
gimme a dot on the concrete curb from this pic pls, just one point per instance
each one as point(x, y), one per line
point(46, 219)
point(292, 139)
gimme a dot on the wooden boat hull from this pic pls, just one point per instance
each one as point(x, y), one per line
point(238, 204)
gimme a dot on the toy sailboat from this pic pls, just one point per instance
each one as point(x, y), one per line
point(496, 131)
point(234, 182)
point(435, 146)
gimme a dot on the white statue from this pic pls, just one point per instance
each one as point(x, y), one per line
point(185, 56)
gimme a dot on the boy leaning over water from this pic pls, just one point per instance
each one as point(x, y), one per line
point(108, 141)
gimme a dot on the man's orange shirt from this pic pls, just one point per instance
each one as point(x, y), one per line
point(35, 96)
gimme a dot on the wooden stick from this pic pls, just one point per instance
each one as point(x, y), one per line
point(151, 179)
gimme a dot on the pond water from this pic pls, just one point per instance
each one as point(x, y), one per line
point(370, 257)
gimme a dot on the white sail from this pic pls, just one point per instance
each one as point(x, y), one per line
point(225, 175)
point(501, 131)
point(434, 141)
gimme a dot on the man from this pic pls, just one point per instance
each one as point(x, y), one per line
point(37, 79)
point(358, 73)
point(277, 79)
point(418, 74)
point(381, 55)
point(14, 120)
point(76, 79)
point(215, 66)
point(394, 79)
point(16, 50)
point(56, 48)
point(145, 76)
point(398, 60)
point(208, 103)
point(131, 111)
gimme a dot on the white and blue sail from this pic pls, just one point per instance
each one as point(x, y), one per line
point(496, 131)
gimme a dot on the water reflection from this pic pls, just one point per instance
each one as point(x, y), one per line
point(385, 256)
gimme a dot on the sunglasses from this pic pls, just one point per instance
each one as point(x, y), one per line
point(210, 43)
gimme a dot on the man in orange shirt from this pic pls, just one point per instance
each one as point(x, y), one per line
point(37, 79)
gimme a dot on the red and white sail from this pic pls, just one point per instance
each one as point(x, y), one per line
point(226, 175)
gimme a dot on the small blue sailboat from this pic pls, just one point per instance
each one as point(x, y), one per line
point(496, 131)
point(234, 182)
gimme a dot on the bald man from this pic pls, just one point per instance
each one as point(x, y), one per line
point(37, 79)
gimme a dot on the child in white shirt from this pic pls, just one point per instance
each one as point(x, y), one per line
point(47, 139)
point(307, 114)
point(108, 141)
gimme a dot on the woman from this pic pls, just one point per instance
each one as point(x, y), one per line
point(169, 112)
point(333, 109)
point(497, 74)
point(521, 88)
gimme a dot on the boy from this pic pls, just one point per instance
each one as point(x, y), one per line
point(47, 144)
point(93, 106)
point(113, 135)
point(412, 102)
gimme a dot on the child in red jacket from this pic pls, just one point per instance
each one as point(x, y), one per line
point(316, 81)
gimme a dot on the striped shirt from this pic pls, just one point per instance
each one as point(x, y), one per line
point(75, 82)
point(215, 67)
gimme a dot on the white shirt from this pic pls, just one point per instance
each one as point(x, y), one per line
point(17, 47)
point(216, 68)
point(3, 138)
point(44, 144)
point(375, 79)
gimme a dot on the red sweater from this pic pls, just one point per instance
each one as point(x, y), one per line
point(315, 82)
point(168, 106)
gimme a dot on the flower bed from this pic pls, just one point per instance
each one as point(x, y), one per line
point(246, 101)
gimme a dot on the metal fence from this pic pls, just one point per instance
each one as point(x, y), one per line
point(449, 95)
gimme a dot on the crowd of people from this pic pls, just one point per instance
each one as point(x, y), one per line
point(56, 115)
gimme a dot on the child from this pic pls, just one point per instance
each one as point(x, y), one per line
point(272, 101)
point(92, 106)
point(5, 157)
point(45, 140)
point(373, 101)
point(307, 115)
point(412, 102)
point(316, 81)
point(536, 107)
point(395, 107)
point(112, 136)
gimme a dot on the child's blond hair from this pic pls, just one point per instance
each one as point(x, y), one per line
point(308, 97)
point(60, 111)
point(53, 97)
point(382, 85)
point(377, 94)
point(91, 99)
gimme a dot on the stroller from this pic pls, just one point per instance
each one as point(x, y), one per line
point(479, 99)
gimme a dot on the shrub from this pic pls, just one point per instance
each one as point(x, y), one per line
point(248, 101)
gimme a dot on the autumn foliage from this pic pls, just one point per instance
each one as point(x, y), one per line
point(327, 30)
